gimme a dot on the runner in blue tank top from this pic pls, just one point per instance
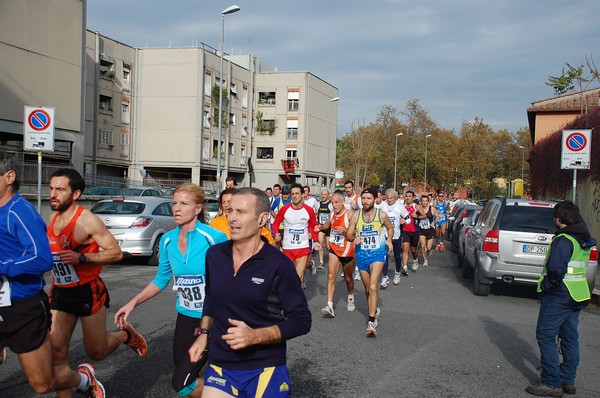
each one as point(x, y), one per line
point(442, 206)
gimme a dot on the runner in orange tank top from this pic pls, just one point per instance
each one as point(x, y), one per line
point(76, 236)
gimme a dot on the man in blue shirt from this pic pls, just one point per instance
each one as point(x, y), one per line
point(24, 310)
point(254, 303)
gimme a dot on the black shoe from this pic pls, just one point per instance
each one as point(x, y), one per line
point(542, 390)
point(569, 389)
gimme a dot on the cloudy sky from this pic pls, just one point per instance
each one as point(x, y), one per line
point(462, 59)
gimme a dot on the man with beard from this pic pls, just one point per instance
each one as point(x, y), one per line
point(367, 230)
point(76, 238)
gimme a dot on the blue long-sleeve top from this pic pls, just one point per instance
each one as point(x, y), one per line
point(25, 253)
point(174, 264)
point(265, 291)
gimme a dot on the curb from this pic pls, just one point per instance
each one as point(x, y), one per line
point(595, 297)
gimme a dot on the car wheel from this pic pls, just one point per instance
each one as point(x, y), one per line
point(480, 289)
point(153, 260)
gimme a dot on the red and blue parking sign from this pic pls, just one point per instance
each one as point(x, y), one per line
point(38, 129)
point(576, 149)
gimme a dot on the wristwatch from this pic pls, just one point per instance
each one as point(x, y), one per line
point(199, 331)
point(82, 258)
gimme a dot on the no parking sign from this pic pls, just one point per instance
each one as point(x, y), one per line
point(38, 129)
point(576, 148)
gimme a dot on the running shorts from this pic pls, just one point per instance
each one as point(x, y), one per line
point(343, 260)
point(82, 300)
point(410, 237)
point(25, 324)
point(294, 254)
point(429, 233)
point(364, 261)
point(273, 381)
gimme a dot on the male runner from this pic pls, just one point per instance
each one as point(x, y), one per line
point(341, 252)
point(366, 229)
point(313, 203)
point(253, 305)
point(410, 235)
point(24, 311)
point(398, 217)
point(281, 200)
point(76, 236)
point(325, 208)
point(443, 208)
point(352, 202)
point(299, 222)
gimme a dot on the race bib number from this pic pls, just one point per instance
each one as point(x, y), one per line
point(295, 237)
point(370, 240)
point(337, 238)
point(190, 289)
point(424, 224)
point(392, 220)
point(4, 292)
point(323, 218)
point(64, 274)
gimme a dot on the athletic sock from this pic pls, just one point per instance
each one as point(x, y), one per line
point(371, 319)
point(330, 304)
point(84, 383)
point(350, 297)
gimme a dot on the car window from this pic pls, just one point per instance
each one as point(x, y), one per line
point(483, 216)
point(164, 209)
point(211, 205)
point(491, 221)
point(528, 219)
point(118, 208)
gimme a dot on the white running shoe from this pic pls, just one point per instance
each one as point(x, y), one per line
point(425, 263)
point(321, 265)
point(377, 313)
point(356, 275)
point(404, 270)
point(396, 280)
point(327, 312)
point(350, 307)
point(313, 269)
point(385, 281)
point(371, 331)
point(415, 265)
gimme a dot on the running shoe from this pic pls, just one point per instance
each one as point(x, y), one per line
point(321, 265)
point(350, 307)
point(404, 270)
point(442, 247)
point(437, 248)
point(385, 281)
point(371, 331)
point(356, 275)
point(327, 312)
point(313, 269)
point(304, 286)
point(3, 354)
point(425, 263)
point(135, 340)
point(95, 389)
point(415, 265)
point(396, 280)
point(377, 313)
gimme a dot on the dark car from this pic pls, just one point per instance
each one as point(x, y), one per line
point(463, 212)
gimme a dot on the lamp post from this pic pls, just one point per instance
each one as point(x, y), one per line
point(227, 11)
point(522, 163)
point(331, 101)
point(425, 177)
point(396, 158)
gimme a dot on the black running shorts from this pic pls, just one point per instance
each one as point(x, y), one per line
point(25, 324)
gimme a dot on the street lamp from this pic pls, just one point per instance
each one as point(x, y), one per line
point(425, 178)
point(396, 158)
point(522, 162)
point(227, 11)
point(331, 101)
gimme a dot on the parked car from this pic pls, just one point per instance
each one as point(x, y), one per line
point(468, 223)
point(102, 191)
point(168, 192)
point(509, 243)
point(211, 208)
point(137, 223)
point(141, 192)
point(454, 208)
point(463, 212)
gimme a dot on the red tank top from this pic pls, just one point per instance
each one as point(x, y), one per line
point(65, 275)
point(410, 226)
point(337, 237)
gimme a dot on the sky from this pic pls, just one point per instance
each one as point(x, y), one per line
point(461, 59)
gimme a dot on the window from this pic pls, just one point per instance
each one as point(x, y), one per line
point(231, 148)
point(216, 148)
point(205, 149)
point(292, 129)
point(125, 117)
point(293, 100)
point(105, 137)
point(233, 89)
point(245, 97)
point(232, 119)
point(125, 144)
point(207, 82)
point(206, 119)
point(266, 98)
point(291, 153)
point(126, 77)
point(264, 153)
point(105, 103)
point(107, 68)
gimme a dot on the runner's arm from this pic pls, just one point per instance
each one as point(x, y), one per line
point(201, 342)
point(111, 252)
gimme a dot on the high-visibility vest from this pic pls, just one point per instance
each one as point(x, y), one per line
point(574, 279)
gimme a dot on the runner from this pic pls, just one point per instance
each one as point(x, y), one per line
point(182, 258)
point(426, 229)
point(410, 235)
point(398, 216)
point(325, 208)
point(352, 202)
point(313, 203)
point(341, 252)
point(81, 244)
point(366, 229)
point(25, 318)
point(278, 203)
point(298, 221)
point(443, 208)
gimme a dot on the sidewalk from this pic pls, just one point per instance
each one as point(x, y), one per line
point(596, 292)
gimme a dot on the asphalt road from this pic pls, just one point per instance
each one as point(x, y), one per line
point(435, 339)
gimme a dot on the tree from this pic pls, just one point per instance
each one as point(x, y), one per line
point(575, 79)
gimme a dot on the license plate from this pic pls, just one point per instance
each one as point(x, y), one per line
point(535, 249)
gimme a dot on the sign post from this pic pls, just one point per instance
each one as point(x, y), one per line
point(38, 136)
point(575, 154)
